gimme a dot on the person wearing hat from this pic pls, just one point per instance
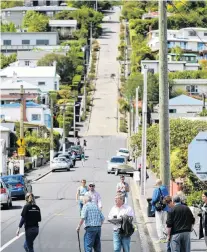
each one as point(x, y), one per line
point(160, 209)
point(30, 217)
point(95, 196)
point(123, 188)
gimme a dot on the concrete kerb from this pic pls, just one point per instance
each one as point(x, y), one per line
point(43, 175)
point(146, 225)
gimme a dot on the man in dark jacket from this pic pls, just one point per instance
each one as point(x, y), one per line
point(179, 224)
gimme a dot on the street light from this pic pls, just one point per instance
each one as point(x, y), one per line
point(74, 119)
point(63, 108)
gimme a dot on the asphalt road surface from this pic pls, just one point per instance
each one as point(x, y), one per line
point(55, 195)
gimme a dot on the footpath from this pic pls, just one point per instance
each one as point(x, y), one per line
point(149, 222)
point(38, 173)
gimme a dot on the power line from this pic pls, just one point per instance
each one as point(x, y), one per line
point(183, 18)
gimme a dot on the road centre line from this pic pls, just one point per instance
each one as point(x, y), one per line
point(11, 241)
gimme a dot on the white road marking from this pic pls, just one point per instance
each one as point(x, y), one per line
point(11, 241)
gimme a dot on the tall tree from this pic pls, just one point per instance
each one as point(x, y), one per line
point(10, 27)
point(35, 22)
point(9, 4)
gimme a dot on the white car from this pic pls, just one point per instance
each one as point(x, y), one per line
point(123, 152)
point(60, 163)
point(114, 163)
point(5, 196)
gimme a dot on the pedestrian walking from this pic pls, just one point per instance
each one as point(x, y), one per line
point(77, 141)
point(203, 219)
point(73, 158)
point(170, 204)
point(160, 209)
point(120, 209)
point(123, 188)
point(80, 193)
point(96, 198)
point(30, 217)
point(180, 221)
point(93, 218)
point(83, 158)
point(84, 143)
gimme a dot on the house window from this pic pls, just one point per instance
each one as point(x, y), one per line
point(201, 46)
point(192, 33)
point(25, 42)
point(192, 89)
point(151, 70)
point(26, 63)
point(36, 117)
point(42, 42)
point(172, 110)
point(2, 116)
point(41, 83)
point(23, 13)
point(8, 13)
point(7, 42)
point(55, 85)
point(205, 34)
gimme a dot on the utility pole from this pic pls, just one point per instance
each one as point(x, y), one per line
point(144, 135)
point(74, 120)
point(164, 97)
point(204, 102)
point(21, 125)
point(91, 37)
point(137, 111)
point(96, 5)
point(64, 128)
point(51, 130)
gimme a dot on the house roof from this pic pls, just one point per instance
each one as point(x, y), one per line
point(15, 84)
point(29, 104)
point(40, 8)
point(34, 55)
point(10, 126)
point(63, 23)
point(184, 100)
point(4, 128)
point(39, 71)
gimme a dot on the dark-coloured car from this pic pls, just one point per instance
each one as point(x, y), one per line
point(78, 149)
point(19, 185)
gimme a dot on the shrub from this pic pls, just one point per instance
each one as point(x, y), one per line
point(123, 125)
point(76, 79)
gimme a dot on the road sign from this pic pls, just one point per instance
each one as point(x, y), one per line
point(21, 151)
point(21, 142)
point(197, 156)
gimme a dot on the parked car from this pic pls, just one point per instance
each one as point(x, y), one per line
point(18, 185)
point(5, 196)
point(123, 152)
point(78, 149)
point(114, 163)
point(124, 169)
point(68, 158)
point(60, 163)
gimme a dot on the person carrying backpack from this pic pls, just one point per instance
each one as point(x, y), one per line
point(30, 217)
point(121, 215)
point(160, 208)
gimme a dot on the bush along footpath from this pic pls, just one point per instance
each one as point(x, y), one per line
point(182, 133)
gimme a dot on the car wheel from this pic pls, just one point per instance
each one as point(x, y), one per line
point(108, 172)
point(7, 206)
point(68, 169)
point(10, 204)
point(53, 170)
point(117, 172)
point(132, 175)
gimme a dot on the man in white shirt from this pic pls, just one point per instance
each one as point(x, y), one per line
point(123, 188)
point(95, 196)
point(120, 209)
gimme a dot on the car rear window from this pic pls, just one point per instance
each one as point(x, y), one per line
point(124, 151)
point(117, 160)
point(11, 180)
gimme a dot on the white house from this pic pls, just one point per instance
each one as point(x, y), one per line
point(16, 14)
point(43, 77)
point(191, 86)
point(189, 39)
point(65, 28)
point(17, 41)
point(5, 134)
point(182, 106)
point(10, 90)
point(34, 113)
point(43, 2)
point(153, 66)
point(153, 14)
point(30, 58)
